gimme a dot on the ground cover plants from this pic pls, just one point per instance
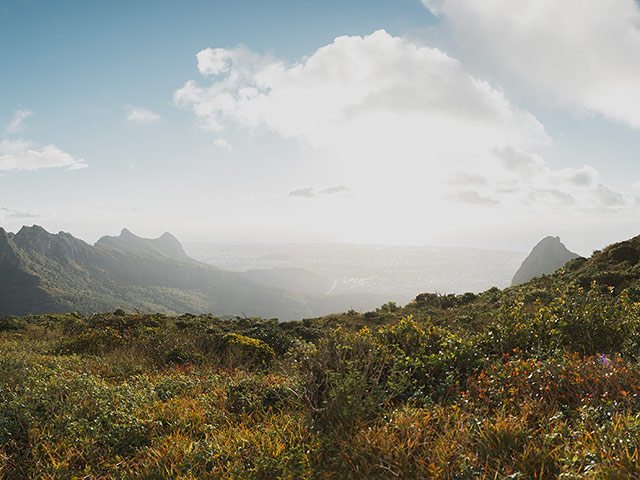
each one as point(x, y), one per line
point(540, 381)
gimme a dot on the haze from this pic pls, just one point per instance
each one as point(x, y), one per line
point(442, 122)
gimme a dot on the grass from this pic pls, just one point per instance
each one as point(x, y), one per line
point(508, 387)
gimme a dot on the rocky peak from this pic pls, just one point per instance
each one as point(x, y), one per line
point(125, 233)
point(170, 246)
point(7, 248)
point(546, 257)
point(166, 245)
point(36, 239)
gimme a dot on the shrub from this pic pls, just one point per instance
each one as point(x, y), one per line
point(624, 253)
point(12, 323)
point(178, 356)
point(537, 295)
point(239, 350)
point(345, 382)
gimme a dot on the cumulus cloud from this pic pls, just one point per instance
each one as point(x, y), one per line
point(214, 61)
point(22, 155)
point(581, 53)
point(142, 116)
point(222, 143)
point(608, 197)
point(352, 88)
point(400, 121)
point(17, 122)
point(521, 162)
point(511, 176)
point(305, 192)
point(586, 176)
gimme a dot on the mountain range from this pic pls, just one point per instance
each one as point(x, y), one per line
point(41, 272)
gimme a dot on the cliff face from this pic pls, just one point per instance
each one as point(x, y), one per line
point(547, 256)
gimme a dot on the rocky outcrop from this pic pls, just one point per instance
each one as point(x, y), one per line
point(547, 256)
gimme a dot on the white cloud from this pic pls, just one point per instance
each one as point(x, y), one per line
point(580, 177)
point(335, 189)
point(552, 197)
point(310, 192)
point(403, 124)
point(142, 116)
point(10, 212)
point(608, 197)
point(581, 53)
point(305, 192)
point(353, 86)
point(513, 175)
point(22, 155)
point(222, 143)
point(463, 178)
point(213, 61)
point(475, 198)
point(17, 123)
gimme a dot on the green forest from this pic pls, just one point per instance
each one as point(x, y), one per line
point(538, 381)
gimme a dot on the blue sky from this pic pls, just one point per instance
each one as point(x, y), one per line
point(438, 122)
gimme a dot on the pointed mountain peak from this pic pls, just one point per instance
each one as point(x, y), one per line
point(170, 246)
point(27, 236)
point(61, 245)
point(165, 245)
point(7, 248)
point(33, 230)
point(5, 237)
point(546, 257)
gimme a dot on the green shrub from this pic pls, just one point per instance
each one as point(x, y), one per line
point(239, 350)
point(345, 382)
point(624, 253)
point(536, 295)
point(12, 323)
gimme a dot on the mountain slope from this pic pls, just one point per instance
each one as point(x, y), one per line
point(547, 256)
point(42, 272)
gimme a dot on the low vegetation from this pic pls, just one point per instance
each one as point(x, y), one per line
point(541, 381)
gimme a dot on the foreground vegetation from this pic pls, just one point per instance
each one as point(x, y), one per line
point(538, 382)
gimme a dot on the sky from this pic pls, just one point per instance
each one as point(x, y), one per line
point(480, 123)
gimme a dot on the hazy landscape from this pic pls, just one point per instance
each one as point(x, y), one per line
point(398, 272)
point(320, 240)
